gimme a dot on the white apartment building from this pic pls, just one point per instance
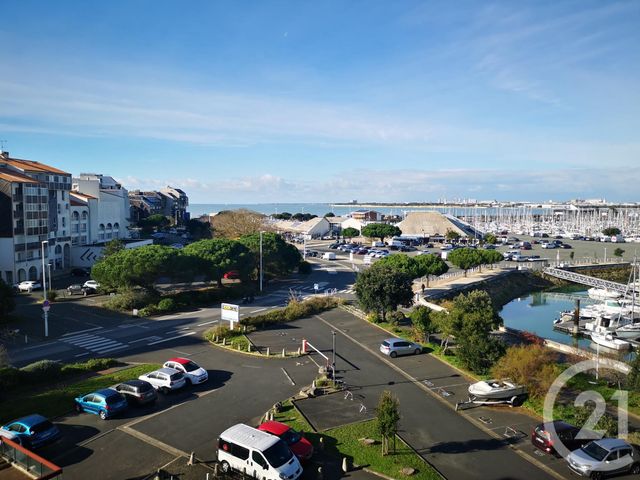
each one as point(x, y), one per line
point(99, 209)
point(34, 215)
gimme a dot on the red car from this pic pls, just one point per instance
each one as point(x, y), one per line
point(300, 446)
point(231, 275)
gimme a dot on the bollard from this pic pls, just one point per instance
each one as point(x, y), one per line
point(283, 353)
point(224, 341)
point(321, 443)
point(248, 347)
point(215, 470)
point(298, 352)
point(239, 346)
point(216, 338)
point(345, 467)
point(190, 462)
point(319, 473)
point(231, 344)
point(268, 351)
point(207, 477)
point(26, 339)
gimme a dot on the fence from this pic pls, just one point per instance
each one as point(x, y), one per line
point(33, 464)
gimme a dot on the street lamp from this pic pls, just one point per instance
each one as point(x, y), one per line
point(49, 274)
point(261, 232)
point(44, 291)
point(333, 360)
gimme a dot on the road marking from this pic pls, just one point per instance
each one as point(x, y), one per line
point(258, 310)
point(171, 338)
point(287, 375)
point(82, 354)
point(153, 442)
point(153, 337)
point(207, 323)
point(40, 345)
point(93, 343)
point(81, 331)
point(110, 349)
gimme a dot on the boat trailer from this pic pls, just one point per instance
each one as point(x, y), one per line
point(515, 400)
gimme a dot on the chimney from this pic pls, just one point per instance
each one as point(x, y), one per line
point(4, 154)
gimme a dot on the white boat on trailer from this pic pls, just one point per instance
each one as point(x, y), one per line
point(610, 341)
point(495, 392)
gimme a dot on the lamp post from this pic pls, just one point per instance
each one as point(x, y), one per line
point(333, 354)
point(49, 274)
point(44, 291)
point(261, 232)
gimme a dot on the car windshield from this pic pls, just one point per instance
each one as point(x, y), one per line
point(176, 376)
point(278, 454)
point(385, 343)
point(42, 426)
point(144, 387)
point(190, 366)
point(291, 436)
point(595, 451)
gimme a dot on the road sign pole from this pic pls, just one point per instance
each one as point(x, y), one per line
point(46, 323)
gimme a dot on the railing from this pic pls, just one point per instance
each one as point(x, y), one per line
point(28, 461)
point(586, 279)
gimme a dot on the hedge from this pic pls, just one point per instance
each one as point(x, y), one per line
point(293, 311)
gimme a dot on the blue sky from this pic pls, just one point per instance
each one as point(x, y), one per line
point(268, 101)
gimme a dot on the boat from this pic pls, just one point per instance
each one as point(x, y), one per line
point(609, 341)
point(603, 294)
point(630, 331)
point(496, 390)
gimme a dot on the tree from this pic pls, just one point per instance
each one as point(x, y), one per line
point(479, 352)
point(633, 379)
point(220, 255)
point(198, 229)
point(112, 247)
point(533, 366)
point(350, 232)
point(303, 217)
point(4, 357)
point(381, 289)
point(329, 214)
point(139, 267)
point(465, 258)
point(490, 238)
point(430, 264)
point(234, 224)
point(452, 235)
point(423, 326)
point(611, 231)
point(7, 302)
point(282, 216)
point(618, 252)
point(387, 419)
point(415, 267)
point(278, 257)
point(381, 231)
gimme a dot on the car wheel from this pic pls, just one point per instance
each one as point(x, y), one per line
point(635, 468)
point(78, 408)
point(187, 382)
point(418, 351)
point(393, 354)
point(164, 390)
point(596, 476)
point(226, 468)
point(103, 415)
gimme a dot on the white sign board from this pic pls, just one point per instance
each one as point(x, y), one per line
point(230, 312)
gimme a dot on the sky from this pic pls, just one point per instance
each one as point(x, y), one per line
point(307, 101)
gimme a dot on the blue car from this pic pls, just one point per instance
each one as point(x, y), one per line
point(105, 403)
point(33, 431)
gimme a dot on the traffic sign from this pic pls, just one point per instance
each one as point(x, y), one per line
point(46, 303)
point(45, 308)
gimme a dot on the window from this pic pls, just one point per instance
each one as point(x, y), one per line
point(624, 452)
point(259, 459)
point(75, 216)
point(85, 215)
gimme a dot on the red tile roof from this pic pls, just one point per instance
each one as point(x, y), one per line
point(15, 177)
point(31, 166)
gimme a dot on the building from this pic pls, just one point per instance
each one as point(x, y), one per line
point(316, 227)
point(34, 202)
point(431, 224)
point(366, 215)
point(100, 209)
point(175, 204)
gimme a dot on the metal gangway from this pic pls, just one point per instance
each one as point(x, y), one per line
point(586, 280)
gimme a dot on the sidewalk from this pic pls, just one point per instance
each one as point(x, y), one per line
point(507, 426)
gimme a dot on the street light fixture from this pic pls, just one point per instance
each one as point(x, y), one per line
point(44, 291)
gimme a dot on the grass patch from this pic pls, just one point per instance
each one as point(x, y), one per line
point(59, 400)
point(345, 442)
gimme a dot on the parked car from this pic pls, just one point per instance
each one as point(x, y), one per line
point(80, 272)
point(533, 258)
point(334, 246)
point(607, 456)
point(399, 346)
point(33, 430)
point(164, 379)
point(489, 246)
point(139, 392)
point(77, 289)
point(105, 403)
point(28, 286)
point(300, 446)
point(310, 253)
point(193, 373)
point(547, 245)
point(542, 438)
point(231, 275)
point(566, 246)
point(329, 256)
point(91, 284)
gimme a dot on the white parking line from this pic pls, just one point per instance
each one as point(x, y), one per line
point(111, 349)
point(207, 323)
point(82, 331)
point(258, 310)
point(153, 337)
point(172, 338)
point(82, 354)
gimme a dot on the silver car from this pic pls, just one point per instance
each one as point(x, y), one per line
point(604, 457)
point(399, 346)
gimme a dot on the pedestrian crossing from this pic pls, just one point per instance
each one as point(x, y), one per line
point(94, 343)
point(307, 291)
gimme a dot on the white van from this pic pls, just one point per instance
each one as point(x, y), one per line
point(328, 256)
point(259, 454)
point(377, 244)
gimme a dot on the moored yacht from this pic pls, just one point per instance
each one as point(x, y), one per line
point(610, 341)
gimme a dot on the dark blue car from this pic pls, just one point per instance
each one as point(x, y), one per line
point(106, 403)
point(33, 431)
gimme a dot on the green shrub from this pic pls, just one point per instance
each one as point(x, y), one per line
point(148, 311)
point(167, 305)
point(10, 377)
point(293, 311)
point(220, 331)
point(373, 317)
point(396, 317)
point(42, 369)
point(129, 300)
point(92, 365)
point(52, 295)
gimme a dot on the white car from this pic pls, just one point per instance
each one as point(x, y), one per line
point(10, 436)
point(164, 379)
point(91, 284)
point(28, 286)
point(193, 373)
